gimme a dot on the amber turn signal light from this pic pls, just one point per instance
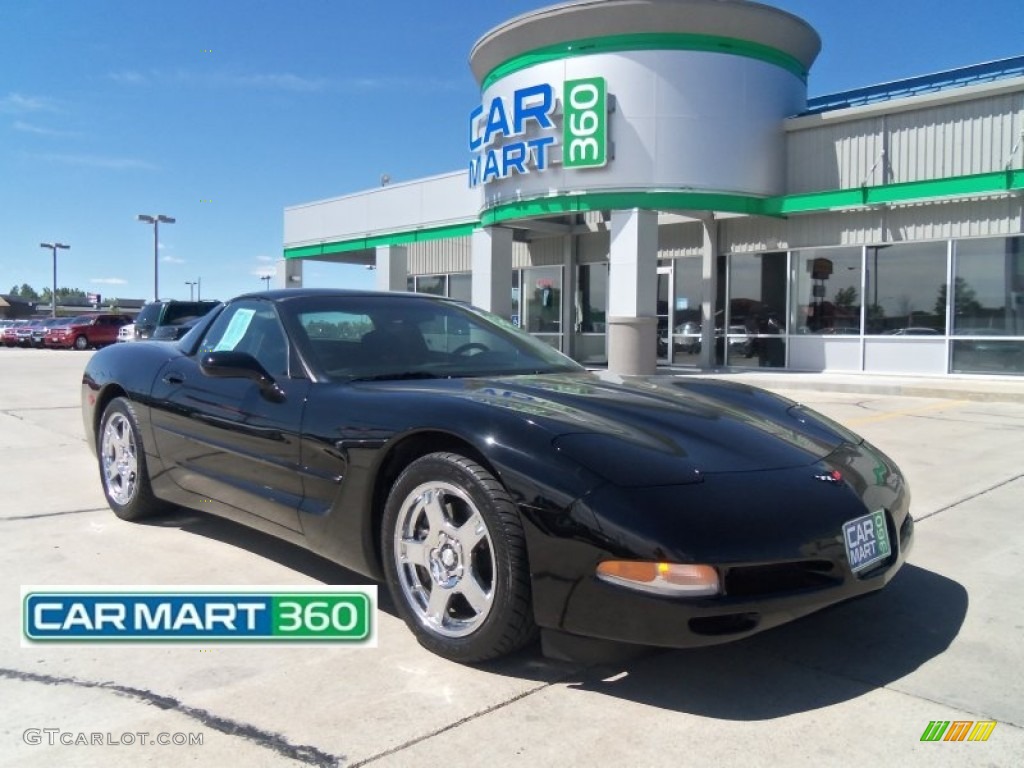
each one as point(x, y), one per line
point(661, 578)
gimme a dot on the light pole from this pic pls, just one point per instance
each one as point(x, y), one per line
point(53, 296)
point(266, 282)
point(191, 288)
point(156, 220)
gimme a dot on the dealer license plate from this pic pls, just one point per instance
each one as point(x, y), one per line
point(867, 540)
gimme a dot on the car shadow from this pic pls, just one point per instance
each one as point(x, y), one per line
point(276, 550)
point(829, 657)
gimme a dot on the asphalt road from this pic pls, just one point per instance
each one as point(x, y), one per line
point(856, 685)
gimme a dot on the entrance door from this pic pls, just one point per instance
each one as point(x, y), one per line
point(664, 313)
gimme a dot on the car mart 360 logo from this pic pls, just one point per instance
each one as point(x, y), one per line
point(200, 614)
point(958, 730)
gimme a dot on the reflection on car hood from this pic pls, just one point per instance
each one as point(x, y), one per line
point(713, 426)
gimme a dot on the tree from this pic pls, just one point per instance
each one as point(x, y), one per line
point(26, 292)
point(846, 297)
point(965, 299)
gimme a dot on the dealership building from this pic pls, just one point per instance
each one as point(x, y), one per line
point(647, 182)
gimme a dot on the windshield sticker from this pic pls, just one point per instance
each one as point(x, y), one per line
point(236, 330)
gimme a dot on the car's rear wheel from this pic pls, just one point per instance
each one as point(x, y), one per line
point(455, 559)
point(81, 342)
point(122, 463)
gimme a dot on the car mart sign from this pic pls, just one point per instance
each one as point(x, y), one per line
point(519, 134)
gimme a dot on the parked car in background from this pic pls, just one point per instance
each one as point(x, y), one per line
point(24, 332)
point(10, 335)
point(169, 312)
point(913, 331)
point(126, 332)
point(86, 331)
point(174, 332)
point(39, 332)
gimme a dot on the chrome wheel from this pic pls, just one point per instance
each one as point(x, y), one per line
point(119, 459)
point(445, 559)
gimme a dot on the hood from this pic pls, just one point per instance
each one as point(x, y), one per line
point(659, 426)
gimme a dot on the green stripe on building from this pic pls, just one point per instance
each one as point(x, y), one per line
point(996, 183)
point(646, 42)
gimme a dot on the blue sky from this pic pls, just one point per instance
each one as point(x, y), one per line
point(222, 112)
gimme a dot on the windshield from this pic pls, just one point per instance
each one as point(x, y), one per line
point(365, 338)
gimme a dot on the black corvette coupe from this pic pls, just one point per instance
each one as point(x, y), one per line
point(496, 486)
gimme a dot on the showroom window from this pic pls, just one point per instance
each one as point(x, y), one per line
point(906, 289)
point(540, 303)
point(456, 286)
point(826, 291)
point(590, 314)
point(988, 306)
point(755, 336)
point(435, 285)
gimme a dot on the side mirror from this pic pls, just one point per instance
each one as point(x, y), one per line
point(240, 365)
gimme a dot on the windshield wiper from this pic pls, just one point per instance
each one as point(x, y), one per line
point(399, 376)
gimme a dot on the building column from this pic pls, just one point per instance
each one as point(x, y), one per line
point(288, 274)
point(392, 268)
point(709, 292)
point(632, 293)
point(491, 263)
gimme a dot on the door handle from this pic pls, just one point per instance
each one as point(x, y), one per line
point(174, 378)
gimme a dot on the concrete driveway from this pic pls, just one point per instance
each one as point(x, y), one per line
point(855, 685)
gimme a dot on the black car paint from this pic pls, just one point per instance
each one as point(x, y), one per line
point(668, 469)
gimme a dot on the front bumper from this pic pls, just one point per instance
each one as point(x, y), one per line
point(774, 537)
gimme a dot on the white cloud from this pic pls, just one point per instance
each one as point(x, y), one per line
point(282, 81)
point(277, 82)
point(172, 260)
point(128, 77)
point(261, 273)
point(108, 281)
point(16, 104)
point(24, 127)
point(97, 161)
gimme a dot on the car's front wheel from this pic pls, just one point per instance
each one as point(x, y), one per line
point(81, 342)
point(455, 559)
point(122, 463)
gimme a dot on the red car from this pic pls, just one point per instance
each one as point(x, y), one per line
point(10, 333)
point(86, 331)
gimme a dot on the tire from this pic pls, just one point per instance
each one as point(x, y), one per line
point(81, 343)
point(122, 463)
point(455, 559)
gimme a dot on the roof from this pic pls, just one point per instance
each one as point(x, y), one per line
point(285, 294)
point(986, 72)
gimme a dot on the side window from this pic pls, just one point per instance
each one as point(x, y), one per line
point(251, 327)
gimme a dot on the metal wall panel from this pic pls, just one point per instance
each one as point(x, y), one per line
point(440, 256)
point(593, 248)
point(539, 253)
point(956, 139)
point(835, 156)
point(678, 240)
point(437, 201)
point(960, 138)
point(967, 218)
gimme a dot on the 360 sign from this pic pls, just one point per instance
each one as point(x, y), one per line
point(517, 132)
point(585, 128)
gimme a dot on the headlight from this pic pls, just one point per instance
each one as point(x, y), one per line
point(661, 578)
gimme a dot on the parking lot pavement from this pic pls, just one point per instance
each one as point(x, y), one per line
point(857, 684)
